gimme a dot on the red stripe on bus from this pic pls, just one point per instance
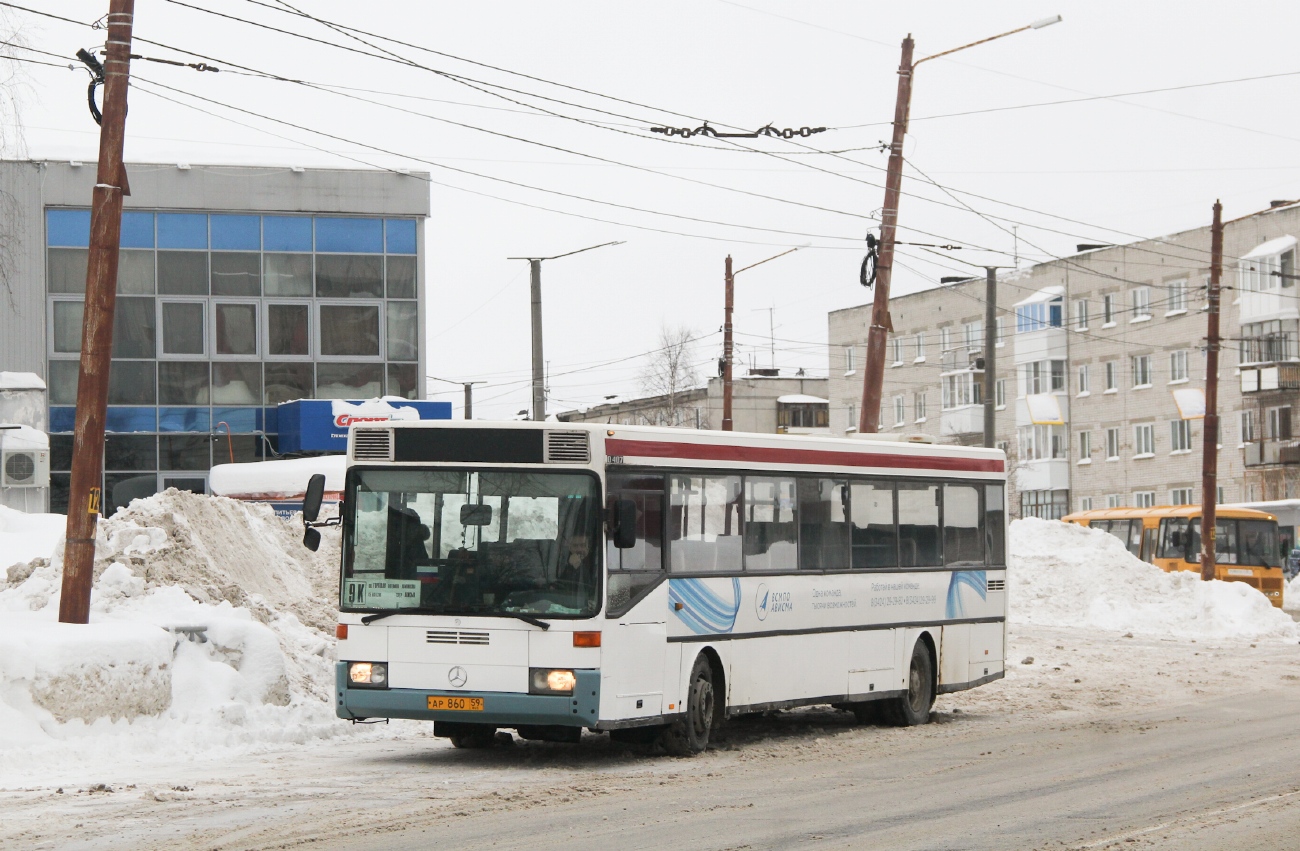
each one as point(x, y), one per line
point(771, 455)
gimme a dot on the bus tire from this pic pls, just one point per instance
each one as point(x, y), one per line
point(867, 712)
point(474, 737)
point(913, 707)
point(689, 735)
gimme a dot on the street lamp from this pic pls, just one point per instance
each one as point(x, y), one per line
point(726, 330)
point(535, 266)
point(874, 372)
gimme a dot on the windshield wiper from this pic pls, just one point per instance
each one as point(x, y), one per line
point(538, 622)
point(369, 619)
point(517, 615)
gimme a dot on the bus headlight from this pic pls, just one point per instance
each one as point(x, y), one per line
point(373, 674)
point(551, 681)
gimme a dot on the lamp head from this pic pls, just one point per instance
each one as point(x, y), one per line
point(1045, 22)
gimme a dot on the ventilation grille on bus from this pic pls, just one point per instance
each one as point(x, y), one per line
point(997, 585)
point(372, 444)
point(567, 447)
point(455, 636)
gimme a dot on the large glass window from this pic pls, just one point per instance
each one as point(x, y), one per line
point(135, 272)
point(182, 230)
point(67, 321)
point(183, 383)
point(184, 329)
point(236, 233)
point(704, 524)
point(183, 272)
point(66, 270)
point(235, 329)
point(236, 273)
point(349, 276)
point(130, 452)
point(404, 380)
point(131, 382)
point(288, 274)
point(401, 277)
point(875, 539)
point(349, 381)
point(62, 383)
point(288, 328)
point(349, 330)
point(236, 383)
point(184, 452)
point(134, 323)
point(343, 235)
point(472, 543)
point(403, 331)
point(919, 543)
point(823, 524)
point(288, 381)
point(771, 524)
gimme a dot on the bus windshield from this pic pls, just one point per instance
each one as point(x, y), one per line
point(474, 543)
point(1244, 542)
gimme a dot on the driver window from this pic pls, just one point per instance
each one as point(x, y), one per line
point(636, 569)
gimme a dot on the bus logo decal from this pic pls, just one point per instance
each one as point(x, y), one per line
point(976, 580)
point(457, 677)
point(704, 610)
point(760, 601)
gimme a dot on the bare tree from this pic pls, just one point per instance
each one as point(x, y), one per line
point(670, 373)
point(14, 86)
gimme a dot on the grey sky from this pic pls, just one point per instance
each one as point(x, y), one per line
point(1137, 166)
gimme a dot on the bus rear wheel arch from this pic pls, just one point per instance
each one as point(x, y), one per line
point(912, 708)
point(689, 733)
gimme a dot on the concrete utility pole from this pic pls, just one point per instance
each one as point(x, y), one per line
point(539, 365)
point(727, 348)
point(1210, 438)
point(873, 373)
point(990, 354)
point(469, 392)
point(84, 495)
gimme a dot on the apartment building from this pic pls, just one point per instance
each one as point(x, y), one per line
point(1101, 365)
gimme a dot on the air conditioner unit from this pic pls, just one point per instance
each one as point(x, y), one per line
point(25, 468)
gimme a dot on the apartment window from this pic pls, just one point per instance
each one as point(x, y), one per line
point(1279, 423)
point(1114, 500)
point(1141, 371)
point(1144, 499)
point(918, 403)
point(1084, 386)
point(974, 332)
point(1112, 444)
point(1042, 442)
point(1081, 314)
point(960, 389)
point(1085, 503)
point(1112, 376)
point(897, 346)
point(1144, 440)
point(1247, 426)
point(1038, 316)
point(1108, 310)
point(1178, 366)
point(1180, 436)
point(848, 360)
point(1181, 496)
point(920, 345)
point(997, 330)
point(1004, 447)
point(1085, 446)
point(1141, 303)
point(945, 339)
point(1000, 393)
point(900, 410)
point(851, 418)
point(1044, 376)
point(1177, 297)
point(1219, 498)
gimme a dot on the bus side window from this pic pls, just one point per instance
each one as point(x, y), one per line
point(823, 524)
point(771, 523)
point(705, 524)
point(1134, 540)
point(995, 524)
point(634, 570)
point(963, 525)
point(1173, 538)
point(874, 533)
point(919, 541)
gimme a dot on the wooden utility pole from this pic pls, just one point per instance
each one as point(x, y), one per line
point(84, 495)
point(873, 372)
point(1210, 439)
point(727, 346)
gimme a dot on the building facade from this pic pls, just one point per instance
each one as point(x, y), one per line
point(764, 401)
point(238, 288)
point(1100, 369)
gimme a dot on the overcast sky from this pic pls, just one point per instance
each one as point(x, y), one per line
point(1120, 168)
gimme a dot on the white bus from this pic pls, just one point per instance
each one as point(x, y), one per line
point(650, 582)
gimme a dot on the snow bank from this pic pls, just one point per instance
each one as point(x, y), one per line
point(282, 478)
point(24, 537)
point(1066, 575)
point(211, 631)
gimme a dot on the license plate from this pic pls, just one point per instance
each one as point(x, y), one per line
point(456, 704)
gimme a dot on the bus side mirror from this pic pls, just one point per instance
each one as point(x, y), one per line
point(1176, 539)
point(311, 539)
point(625, 524)
point(311, 501)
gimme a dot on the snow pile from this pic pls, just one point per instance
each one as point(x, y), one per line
point(1066, 575)
point(281, 478)
point(1291, 597)
point(211, 628)
point(24, 537)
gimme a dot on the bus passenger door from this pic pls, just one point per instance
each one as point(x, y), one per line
point(1149, 536)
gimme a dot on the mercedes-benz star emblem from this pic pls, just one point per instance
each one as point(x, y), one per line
point(457, 676)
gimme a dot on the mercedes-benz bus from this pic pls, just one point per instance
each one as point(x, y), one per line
point(650, 582)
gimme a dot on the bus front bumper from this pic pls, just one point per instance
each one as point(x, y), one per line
point(502, 709)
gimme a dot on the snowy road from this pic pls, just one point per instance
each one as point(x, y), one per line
point(1102, 741)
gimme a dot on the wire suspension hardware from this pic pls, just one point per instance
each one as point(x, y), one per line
point(766, 130)
point(867, 274)
point(96, 80)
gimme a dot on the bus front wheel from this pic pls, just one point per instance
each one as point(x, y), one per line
point(689, 734)
point(913, 707)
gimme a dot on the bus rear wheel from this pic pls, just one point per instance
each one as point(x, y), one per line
point(689, 735)
point(913, 707)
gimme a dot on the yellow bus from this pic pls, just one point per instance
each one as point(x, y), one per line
point(1169, 537)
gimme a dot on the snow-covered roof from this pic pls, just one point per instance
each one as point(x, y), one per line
point(21, 381)
point(1270, 248)
point(286, 477)
point(802, 399)
point(1045, 294)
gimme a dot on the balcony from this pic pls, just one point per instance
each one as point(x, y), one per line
point(1268, 452)
point(1048, 474)
point(1261, 378)
point(967, 419)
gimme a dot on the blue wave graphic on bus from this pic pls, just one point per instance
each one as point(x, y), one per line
point(703, 610)
point(975, 580)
